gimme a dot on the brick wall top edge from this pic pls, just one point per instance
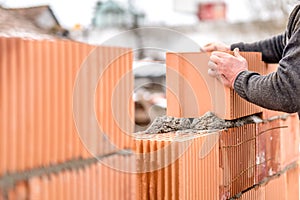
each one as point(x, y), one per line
point(41, 38)
point(175, 136)
point(231, 52)
point(59, 40)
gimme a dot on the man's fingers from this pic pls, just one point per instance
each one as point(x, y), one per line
point(220, 54)
point(236, 52)
point(220, 77)
point(216, 46)
point(209, 47)
point(225, 80)
point(212, 65)
point(212, 73)
point(214, 58)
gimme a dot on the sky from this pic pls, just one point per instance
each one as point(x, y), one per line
point(71, 12)
point(68, 12)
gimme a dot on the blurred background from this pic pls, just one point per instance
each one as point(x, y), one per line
point(95, 22)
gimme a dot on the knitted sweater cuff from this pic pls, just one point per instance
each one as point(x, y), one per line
point(237, 45)
point(239, 84)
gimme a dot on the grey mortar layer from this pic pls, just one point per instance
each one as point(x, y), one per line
point(209, 121)
point(167, 124)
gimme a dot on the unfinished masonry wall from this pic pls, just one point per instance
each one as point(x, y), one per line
point(42, 153)
point(248, 162)
point(42, 156)
point(255, 161)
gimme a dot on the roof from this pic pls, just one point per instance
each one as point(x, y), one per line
point(35, 14)
point(14, 25)
point(37, 21)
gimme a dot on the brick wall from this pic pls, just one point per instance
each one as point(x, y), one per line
point(41, 144)
point(44, 157)
point(238, 163)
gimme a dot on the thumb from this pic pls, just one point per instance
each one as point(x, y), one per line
point(236, 52)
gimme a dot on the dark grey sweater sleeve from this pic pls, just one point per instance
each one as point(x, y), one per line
point(279, 90)
point(271, 49)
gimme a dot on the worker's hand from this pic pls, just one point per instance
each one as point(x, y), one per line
point(226, 67)
point(216, 46)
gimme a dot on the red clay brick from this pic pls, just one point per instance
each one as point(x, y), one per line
point(237, 159)
point(45, 193)
point(194, 175)
point(116, 183)
point(269, 114)
point(12, 110)
point(277, 145)
point(277, 188)
point(4, 101)
point(96, 181)
point(190, 92)
point(254, 194)
point(271, 68)
point(292, 179)
point(93, 180)
point(35, 188)
point(19, 192)
point(118, 112)
point(37, 83)
point(266, 148)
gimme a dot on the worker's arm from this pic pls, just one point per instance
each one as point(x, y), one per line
point(279, 90)
point(271, 49)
